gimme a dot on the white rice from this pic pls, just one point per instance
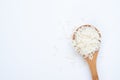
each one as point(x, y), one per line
point(86, 40)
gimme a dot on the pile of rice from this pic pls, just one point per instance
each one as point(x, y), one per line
point(86, 40)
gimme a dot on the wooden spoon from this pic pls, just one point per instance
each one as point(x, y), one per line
point(91, 62)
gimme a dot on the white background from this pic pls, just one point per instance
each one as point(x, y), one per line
point(35, 39)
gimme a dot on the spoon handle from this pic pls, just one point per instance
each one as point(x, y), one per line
point(92, 66)
point(93, 70)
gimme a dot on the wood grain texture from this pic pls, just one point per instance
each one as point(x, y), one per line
point(92, 66)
